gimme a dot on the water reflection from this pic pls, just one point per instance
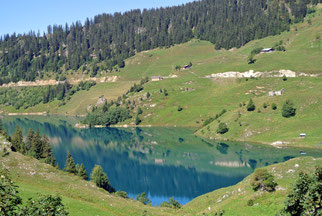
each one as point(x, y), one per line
point(163, 162)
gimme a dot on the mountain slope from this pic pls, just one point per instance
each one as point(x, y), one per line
point(103, 43)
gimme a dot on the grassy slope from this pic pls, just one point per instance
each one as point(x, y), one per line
point(79, 102)
point(234, 199)
point(83, 198)
point(80, 197)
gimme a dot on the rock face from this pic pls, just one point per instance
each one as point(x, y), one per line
point(251, 73)
point(101, 100)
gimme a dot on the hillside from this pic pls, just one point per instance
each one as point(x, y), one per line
point(82, 197)
point(202, 98)
point(100, 45)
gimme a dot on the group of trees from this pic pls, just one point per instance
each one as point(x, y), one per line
point(34, 145)
point(26, 97)
point(117, 111)
point(288, 109)
point(106, 40)
point(97, 175)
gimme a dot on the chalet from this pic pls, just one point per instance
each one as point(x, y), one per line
point(267, 50)
point(302, 135)
point(156, 78)
point(276, 93)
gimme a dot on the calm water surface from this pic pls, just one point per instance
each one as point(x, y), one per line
point(163, 162)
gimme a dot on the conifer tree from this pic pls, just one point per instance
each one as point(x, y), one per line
point(17, 141)
point(29, 138)
point(46, 148)
point(82, 172)
point(36, 146)
point(250, 105)
point(100, 179)
point(70, 164)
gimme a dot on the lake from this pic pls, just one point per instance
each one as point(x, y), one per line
point(163, 162)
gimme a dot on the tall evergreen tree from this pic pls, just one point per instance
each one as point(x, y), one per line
point(70, 164)
point(29, 139)
point(100, 179)
point(36, 147)
point(17, 141)
point(82, 172)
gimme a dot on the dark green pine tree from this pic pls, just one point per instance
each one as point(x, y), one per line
point(17, 141)
point(29, 138)
point(251, 106)
point(82, 172)
point(36, 146)
point(70, 164)
point(100, 179)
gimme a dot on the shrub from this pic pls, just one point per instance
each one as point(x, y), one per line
point(180, 108)
point(263, 180)
point(251, 59)
point(172, 203)
point(274, 106)
point(250, 106)
point(9, 199)
point(222, 128)
point(284, 78)
point(264, 105)
point(256, 50)
point(288, 109)
point(122, 194)
point(305, 197)
point(143, 198)
point(140, 111)
point(45, 205)
point(137, 120)
point(250, 202)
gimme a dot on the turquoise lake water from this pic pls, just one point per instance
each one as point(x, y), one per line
point(163, 162)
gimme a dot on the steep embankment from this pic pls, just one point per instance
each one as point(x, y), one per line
point(233, 200)
point(80, 197)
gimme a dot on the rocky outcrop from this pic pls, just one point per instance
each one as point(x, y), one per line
point(252, 73)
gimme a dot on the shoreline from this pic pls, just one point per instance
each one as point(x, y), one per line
point(276, 144)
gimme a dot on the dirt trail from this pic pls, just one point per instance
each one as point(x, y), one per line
point(54, 82)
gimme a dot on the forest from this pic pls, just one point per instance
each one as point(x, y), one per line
point(104, 42)
point(25, 97)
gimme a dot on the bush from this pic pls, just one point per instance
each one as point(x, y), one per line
point(179, 108)
point(172, 203)
point(264, 105)
point(305, 197)
point(274, 106)
point(9, 199)
point(250, 106)
point(263, 180)
point(222, 128)
point(45, 205)
point(250, 202)
point(122, 194)
point(137, 120)
point(143, 198)
point(251, 59)
point(288, 109)
point(256, 50)
point(284, 78)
